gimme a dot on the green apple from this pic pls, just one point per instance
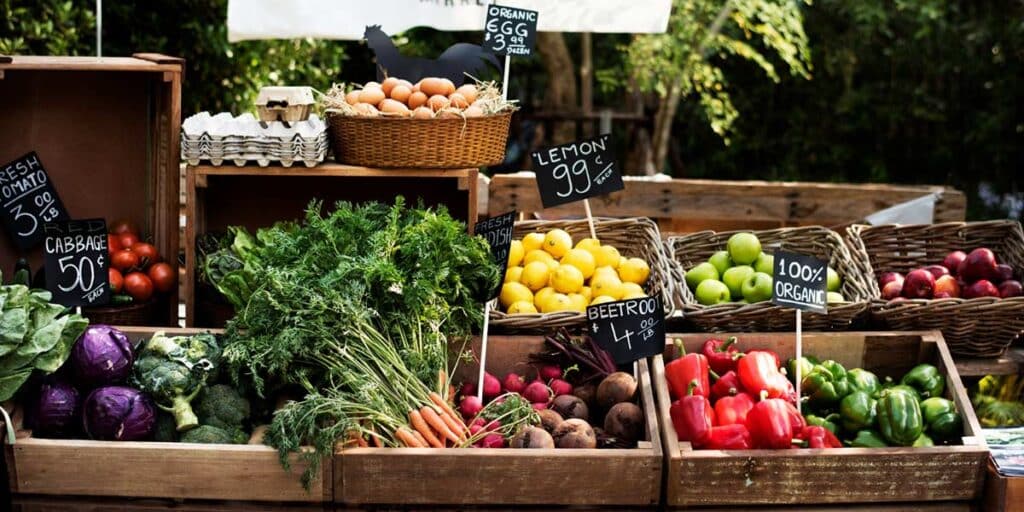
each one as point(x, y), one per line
point(834, 282)
point(833, 297)
point(721, 261)
point(734, 278)
point(758, 287)
point(744, 248)
point(765, 264)
point(699, 274)
point(711, 292)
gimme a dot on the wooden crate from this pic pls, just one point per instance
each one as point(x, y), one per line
point(829, 476)
point(505, 477)
point(76, 467)
point(685, 206)
point(1003, 493)
point(254, 197)
point(106, 130)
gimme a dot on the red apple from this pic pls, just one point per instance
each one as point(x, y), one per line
point(1011, 288)
point(920, 284)
point(937, 270)
point(946, 286)
point(953, 260)
point(888, 277)
point(1004, 272)
point(892, 289)
point(980, 264)
point(981, 288)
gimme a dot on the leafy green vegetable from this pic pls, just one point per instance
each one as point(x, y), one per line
point(222, 406)
point(174, 370)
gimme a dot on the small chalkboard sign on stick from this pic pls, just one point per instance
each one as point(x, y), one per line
point(801, 282)
point(577, 171)
point(28, 200)
point(510, 31)
point(629, 329)
point(497, 231)
point(77, 262)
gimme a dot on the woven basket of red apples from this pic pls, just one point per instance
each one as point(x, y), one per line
point(962, 278)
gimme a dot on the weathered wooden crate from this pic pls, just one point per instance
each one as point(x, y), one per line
point(506, 477)
point(76, 467)
point(1003, 493)
point(836, 475)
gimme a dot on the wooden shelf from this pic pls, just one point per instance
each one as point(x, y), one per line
point(1009, 364)
point(328, 169)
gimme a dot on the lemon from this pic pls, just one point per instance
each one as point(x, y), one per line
point(516, 251)
point(632, 291)
point(553, 265)
point(578, 302)
point(541, 297)
point(634, 270)
point(588, 244)
point(601, 300)
point(514, 292)
point(522, 307)
point(581, 259)
point(557, 242)
point(557, 302)
point(567, 279)
point(537, 255)
point(513, 274)
point(622, 261)
point(605, 271)
point(532, 242)
point(586, 293)
point(607, 256)
point(535, 275)
point(607, 284)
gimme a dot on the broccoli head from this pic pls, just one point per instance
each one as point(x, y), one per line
point(207, 434)
point(166, 431)
point(222, 406)
point(174, 370)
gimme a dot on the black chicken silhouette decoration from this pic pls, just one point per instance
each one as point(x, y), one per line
point(453, 64)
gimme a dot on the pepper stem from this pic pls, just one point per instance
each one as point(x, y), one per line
point(693, 385)
point(724, 347)
point(713, 374)
point(680, 347)
point(763, 394)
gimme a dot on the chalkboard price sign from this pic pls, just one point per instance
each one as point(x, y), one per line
point(576, 171)
point(28, 200)
point(800, 282)
point(629, 329)
point(76, 261)
point(497, 231)
point(510, 31)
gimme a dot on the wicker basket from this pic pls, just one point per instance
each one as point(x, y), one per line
point(689, 250)
point(451, 143)
point(982, 327)
point(140, 313)
point(634, 237)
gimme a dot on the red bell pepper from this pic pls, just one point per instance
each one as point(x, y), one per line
point(729, 437)
point(726, 385)
point(795, 418)
point(692, 417)
point(778, 362)
point(721, 355)
point(818, 437)
point(769, 424)
point(758, 371)
point(731, 410)
point(684, 370)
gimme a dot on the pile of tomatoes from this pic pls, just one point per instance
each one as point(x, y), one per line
point(135, 266)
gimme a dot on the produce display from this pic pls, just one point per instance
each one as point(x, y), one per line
point(960, 275)
point(137, 271)
point(742, 272)
point(548, 273)
point(727, 399)
point(427, 99)
point(997, 401)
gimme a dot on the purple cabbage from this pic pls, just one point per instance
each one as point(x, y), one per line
point(56, 410)
point(118, 413)
point(102, 356)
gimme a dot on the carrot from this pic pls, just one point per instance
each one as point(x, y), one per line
point(459, 426)
point(407, 438)
point(360, 442)
point(419, 437)
point(376, 440)
point(438, 424)
point(443, 404)
point(418, 423)
point(453, 425)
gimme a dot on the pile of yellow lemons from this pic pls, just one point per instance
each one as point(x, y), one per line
point(547, 273)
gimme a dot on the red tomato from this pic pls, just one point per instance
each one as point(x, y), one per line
point(113, 244)
point(162, 275)
point(124, 226)
point(127, 240)
point(116, 280)
point(139, 286)
point(146, 252)
point(124, 260)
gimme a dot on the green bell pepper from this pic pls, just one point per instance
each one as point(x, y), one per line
point(829, 422)
point(858, 411)
point(868, 439)
point(923, 441)
point(926, 379)
point(899, 388)
point(826, 384)
point(899, 418)
point(863, 380)
point(806, 363)
point(941, 419)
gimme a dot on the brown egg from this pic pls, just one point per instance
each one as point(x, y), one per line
point(473, 111)
point(405, 83)
point(365, 110)
point(371, 84)
point(401, 93)
point(388, 84)
point(468, 91)
point(449, 87)
point(371, 95)
point(352, 98)
point(417, 99)
point(434, 86)
point(423, 113)
point(437, 102)
point(458, 100)
point(394, 107)
point(416, 88)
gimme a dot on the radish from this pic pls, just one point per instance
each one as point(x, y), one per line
point(539, 406)
point(468, 389)
point(537, 392)
point(514, 383)
point(560, 387)
point(550, 371)
point(470, 406)
point(492, 387)
point(493, 441)
point(478, 421)
point(475, 429)
point(492, 426)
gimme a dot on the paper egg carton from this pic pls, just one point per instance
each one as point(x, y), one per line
point(242, 139)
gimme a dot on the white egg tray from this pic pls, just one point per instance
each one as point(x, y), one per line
point(243, 139)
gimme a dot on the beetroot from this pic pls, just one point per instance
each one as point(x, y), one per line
point(514, 383)
point(570, 407)
point(470, 406)
point(550, 420)
point(560, 387)
point(532, 437)
point(617, 387)
point(625, 421)
point(537, 392)
point(493, 441)
point(550, 372)
point(575, 433)
point(492, 387)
